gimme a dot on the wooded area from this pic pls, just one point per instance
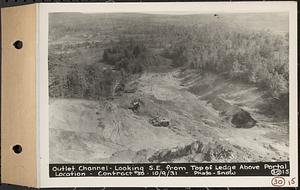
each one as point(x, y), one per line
point(258, 57)
point(254, 57)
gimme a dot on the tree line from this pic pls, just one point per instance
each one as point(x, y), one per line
point(260, 58)
point(100, 80)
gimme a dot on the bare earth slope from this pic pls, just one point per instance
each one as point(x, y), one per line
point(199, 131)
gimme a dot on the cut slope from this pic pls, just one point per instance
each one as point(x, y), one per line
point(107, 131)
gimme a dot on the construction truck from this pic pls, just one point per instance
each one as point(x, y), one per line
point(160, 122)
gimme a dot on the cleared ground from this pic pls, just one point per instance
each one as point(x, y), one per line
point(107, 131)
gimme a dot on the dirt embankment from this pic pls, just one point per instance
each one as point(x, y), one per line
point(210, 120)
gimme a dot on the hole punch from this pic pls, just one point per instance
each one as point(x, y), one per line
point(18, 44)
point(17, 149)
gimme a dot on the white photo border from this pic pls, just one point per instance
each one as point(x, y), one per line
point(43, 11)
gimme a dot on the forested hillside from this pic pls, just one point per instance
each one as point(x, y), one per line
point(258, 57)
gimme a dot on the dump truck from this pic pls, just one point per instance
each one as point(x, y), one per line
point(160, 122)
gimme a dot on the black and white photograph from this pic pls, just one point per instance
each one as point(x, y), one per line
point(168, 87)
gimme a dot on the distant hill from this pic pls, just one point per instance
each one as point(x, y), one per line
point(275, 22)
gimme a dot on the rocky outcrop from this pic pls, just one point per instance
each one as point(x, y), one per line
point(237, 116)
point(197, 151)
point(243, 119)
point(176, 152)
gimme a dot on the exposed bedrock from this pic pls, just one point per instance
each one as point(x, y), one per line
point(197, 150)
point(243, 119)
point(238, 117)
